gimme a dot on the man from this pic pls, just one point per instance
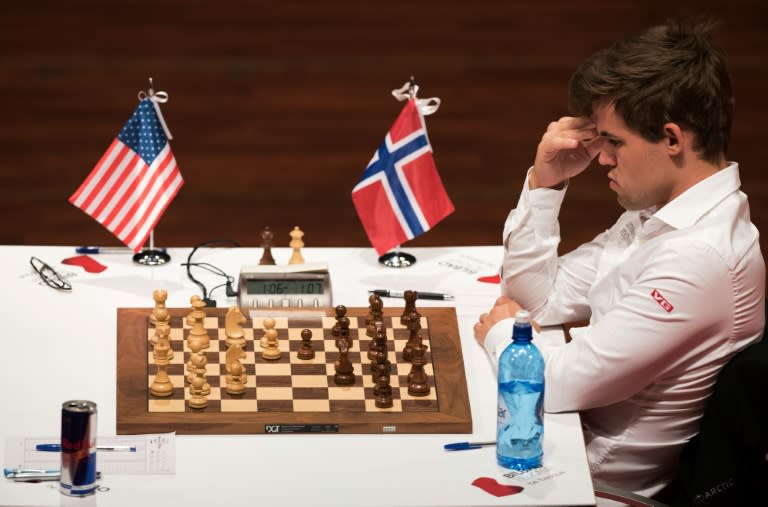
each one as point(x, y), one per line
point(673, 289)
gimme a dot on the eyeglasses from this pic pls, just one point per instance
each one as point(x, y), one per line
point(49, 275)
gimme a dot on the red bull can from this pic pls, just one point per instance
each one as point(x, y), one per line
point(78, 448)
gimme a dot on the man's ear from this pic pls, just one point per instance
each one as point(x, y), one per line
point(674, 139)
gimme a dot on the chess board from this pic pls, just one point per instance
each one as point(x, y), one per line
point(290, 395)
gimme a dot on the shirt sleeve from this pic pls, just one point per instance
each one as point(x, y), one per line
point(554, 289)
point(665, 322)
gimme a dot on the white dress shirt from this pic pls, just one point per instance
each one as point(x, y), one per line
point(670, 295)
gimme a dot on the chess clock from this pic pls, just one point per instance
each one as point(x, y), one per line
point(289, 287)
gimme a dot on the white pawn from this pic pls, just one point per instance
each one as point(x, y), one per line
point(270, 343)
point(159, 312)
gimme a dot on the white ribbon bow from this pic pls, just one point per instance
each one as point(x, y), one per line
point(157, 98)
point(409, 90)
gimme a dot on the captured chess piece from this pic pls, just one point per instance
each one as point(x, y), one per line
point(266, 243)
point(306, 351)
point(296, 244)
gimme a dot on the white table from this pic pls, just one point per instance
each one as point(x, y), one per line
point(60, 346)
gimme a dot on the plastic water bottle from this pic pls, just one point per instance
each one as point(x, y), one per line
point(520, 422)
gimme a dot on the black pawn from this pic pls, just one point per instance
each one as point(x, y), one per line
point(305, 350)
point(382, 388)
point(266, 242)
point(418, 383)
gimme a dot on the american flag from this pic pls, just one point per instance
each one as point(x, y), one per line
point(400, 195)
point(135, 180)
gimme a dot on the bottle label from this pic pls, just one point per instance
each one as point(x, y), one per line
point(520, 422)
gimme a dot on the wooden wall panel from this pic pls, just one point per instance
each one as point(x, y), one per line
point(277, 107)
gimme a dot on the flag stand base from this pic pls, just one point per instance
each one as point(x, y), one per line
point(397, 259)
point(151, 257)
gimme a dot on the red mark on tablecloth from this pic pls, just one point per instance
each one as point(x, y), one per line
point(86, 262)
point(492, 486)
point(490, 279)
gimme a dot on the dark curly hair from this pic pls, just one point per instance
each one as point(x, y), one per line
point(670, 73)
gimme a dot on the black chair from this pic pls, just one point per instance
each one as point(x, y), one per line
point(726, 464)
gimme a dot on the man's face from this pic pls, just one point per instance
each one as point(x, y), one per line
point(640, 172)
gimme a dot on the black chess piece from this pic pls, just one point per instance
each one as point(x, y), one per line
point(305, 350)
point(382, 389)
point(410, 297)
point(375, 314)
point(418, 383)
point(345, 375)
point(413, 323)
point(266, 242)
point(378, 346)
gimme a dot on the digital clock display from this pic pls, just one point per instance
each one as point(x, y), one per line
point(284, 286)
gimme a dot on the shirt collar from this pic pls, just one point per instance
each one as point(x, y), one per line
point(685, 209)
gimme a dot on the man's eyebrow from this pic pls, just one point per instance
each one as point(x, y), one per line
point(605, 133)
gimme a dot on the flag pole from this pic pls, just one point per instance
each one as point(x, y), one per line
point(396, 258)
point(152, 256)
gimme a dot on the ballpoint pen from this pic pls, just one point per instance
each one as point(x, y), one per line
point(57, 448)
point(421, 295)
point(463, 446)
point(35, 475)
point(106, 249)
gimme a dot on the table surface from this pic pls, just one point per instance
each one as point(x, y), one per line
point(62, 346)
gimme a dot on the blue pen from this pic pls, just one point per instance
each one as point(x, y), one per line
point(35, 475)
point(13, 472)
point(57, 448)
point(464, 446)
point(102, 249)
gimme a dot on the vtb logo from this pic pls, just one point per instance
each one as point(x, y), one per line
point(656, 295)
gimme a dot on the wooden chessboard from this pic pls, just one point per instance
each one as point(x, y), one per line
point(289, 394)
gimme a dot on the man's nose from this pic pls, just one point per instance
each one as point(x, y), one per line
point(606, 158)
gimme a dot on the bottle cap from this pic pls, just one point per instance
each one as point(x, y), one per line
point(522, 330)
point(522, 317)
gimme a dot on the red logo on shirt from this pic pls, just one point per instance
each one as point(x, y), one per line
point(662, 300)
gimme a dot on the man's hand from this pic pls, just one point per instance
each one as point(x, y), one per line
point(565, 150)
point(504, 308)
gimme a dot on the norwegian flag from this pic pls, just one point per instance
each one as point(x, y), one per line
point(400, 195)
point(135, 180)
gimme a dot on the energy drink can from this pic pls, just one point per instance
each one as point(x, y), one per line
point(78, 448)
